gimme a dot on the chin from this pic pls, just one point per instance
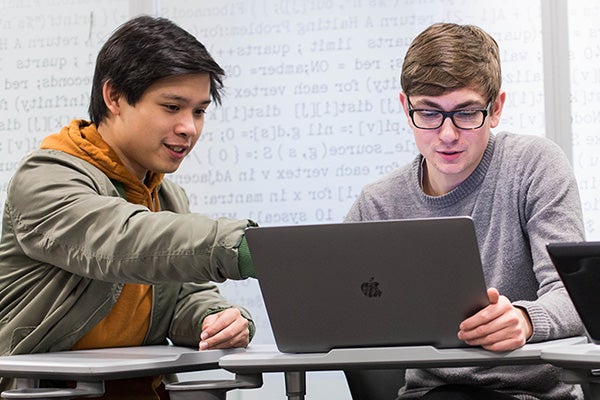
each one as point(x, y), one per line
point(170, 170)
point(165, 170)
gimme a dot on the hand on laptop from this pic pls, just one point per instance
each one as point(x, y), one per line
point(500, 326)
point(223, 330)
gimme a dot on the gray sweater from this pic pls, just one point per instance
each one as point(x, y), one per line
point(522, 196)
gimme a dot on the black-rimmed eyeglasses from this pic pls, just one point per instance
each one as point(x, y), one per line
point(468, 119)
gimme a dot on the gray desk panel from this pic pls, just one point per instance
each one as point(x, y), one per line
point(113, 363)
point(116, 363)
point(576, 356)
point(385, 357)
point(294, 366)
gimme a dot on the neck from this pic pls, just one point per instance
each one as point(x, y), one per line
point(434, 187)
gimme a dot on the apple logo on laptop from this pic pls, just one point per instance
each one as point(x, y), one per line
point(371, 288)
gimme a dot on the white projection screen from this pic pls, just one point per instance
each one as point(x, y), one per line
point(310, 113)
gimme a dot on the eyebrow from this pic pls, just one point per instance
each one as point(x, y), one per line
point(176, 97)
point(465, 104)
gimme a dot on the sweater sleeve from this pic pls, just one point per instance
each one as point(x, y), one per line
point(551, 212)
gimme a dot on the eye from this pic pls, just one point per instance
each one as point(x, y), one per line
point(430, 114)
point(171, 107)
point(467, 114)
point(199, 112)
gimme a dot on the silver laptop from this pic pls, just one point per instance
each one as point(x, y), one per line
point(578, 265)
point(368, 284)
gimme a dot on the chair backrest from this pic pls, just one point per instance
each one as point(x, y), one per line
point(374, 384)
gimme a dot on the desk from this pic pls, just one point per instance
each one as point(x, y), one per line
point(90, 368)
point(578, 361)
point(294, 366)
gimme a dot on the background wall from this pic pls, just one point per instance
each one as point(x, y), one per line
point(311, 112)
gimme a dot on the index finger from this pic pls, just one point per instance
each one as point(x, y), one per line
point(215, 323)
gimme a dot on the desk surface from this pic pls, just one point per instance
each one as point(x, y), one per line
point(112, 363)
point(577, 356)
point(385, 357)
point(128, 362)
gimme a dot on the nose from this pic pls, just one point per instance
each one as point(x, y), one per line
point(189, 125)
point(448, 131)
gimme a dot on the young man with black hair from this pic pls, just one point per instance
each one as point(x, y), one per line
point(98, 249)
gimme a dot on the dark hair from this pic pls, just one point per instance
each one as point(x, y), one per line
point(448, 56)
point(144, 50)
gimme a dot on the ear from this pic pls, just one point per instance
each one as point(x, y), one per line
point(404, 102)
point(111, 97)
point(497, 108)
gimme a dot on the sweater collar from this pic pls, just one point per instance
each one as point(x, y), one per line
point(465, 188)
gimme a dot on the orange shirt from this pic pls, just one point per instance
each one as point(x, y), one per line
point(129, 320)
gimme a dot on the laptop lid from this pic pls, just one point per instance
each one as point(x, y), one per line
point(578, 265)
point(366, 284)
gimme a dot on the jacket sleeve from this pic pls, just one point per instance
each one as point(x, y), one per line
point(194, 303)
point(67, 213)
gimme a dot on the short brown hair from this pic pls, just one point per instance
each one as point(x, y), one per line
point(448, 56)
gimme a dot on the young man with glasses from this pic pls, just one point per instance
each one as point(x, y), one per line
point(520, 192)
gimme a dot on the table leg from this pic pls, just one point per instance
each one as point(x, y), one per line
point(27, 383)
point(212, 389)
point(295, 385)
point(30, 390)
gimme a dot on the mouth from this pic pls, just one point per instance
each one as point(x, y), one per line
point(177, 149)
point(450, 155)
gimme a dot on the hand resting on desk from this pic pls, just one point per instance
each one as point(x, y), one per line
point(500, 326)
point(223, 330)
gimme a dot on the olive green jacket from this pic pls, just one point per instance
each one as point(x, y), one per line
point(69, 243)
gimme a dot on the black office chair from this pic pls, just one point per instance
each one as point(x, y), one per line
point(374, 384)
point(589, 384)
